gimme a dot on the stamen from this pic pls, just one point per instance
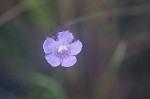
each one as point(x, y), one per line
point(62, 49)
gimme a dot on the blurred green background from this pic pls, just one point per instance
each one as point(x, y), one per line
point(113, 64)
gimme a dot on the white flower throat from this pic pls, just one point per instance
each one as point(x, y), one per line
point(62, 49)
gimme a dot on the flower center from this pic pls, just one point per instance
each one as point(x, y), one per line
point(62, 49)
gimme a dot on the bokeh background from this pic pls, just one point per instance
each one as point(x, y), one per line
point(113, 64)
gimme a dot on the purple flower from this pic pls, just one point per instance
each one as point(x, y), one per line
point(63, 50)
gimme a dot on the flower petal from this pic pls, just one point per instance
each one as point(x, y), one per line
point(75, 47)
point(69, 61)
point(49, 45)
point(65, 37)
point(53, 60)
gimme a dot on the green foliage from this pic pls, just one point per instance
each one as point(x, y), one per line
point(52, 87)
point(42, 14)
